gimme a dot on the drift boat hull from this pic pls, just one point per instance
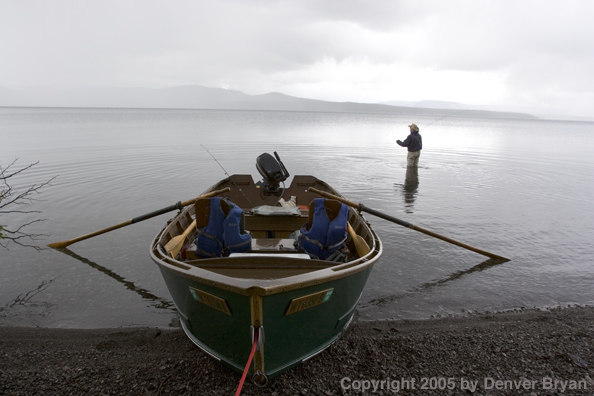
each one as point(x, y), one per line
point(296, 304)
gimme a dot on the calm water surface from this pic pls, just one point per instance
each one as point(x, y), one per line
point(519, 188)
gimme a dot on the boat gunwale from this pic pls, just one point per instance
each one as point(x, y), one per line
point(263, 287)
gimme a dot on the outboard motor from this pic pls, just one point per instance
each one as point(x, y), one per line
point(273, 171)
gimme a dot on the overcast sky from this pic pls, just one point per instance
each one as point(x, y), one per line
point(533, 54)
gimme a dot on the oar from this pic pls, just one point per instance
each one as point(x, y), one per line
point(138, 219)
point(405, 224)
point(360, 244)
point(176, 244)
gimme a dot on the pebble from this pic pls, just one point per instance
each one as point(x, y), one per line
point(537, 344)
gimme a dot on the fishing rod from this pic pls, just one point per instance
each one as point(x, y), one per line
point(445, 116)
point(235, 184)
point(213, 157)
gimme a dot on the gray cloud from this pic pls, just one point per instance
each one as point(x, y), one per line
point(527, 52)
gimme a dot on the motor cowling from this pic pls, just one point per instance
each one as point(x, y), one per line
point(273, 171)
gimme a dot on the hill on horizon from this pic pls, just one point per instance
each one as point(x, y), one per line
point(201, 97)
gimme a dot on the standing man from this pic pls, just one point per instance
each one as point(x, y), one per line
point(414, 144)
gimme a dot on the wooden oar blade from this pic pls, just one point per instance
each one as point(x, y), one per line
point(176, 244)
point(454, 242)
point(360, 245)
point(172, 245)
point(63, 244)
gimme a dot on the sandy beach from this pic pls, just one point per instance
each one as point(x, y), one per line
point(530, 352)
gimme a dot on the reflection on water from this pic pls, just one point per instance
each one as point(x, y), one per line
point(23, 305)
point(425, 287)
point(410, 188)
point(498, 184)
point(157, 302)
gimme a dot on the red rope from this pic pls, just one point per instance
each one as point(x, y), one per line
point(249, 362)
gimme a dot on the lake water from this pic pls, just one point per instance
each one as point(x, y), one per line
point(523, 189)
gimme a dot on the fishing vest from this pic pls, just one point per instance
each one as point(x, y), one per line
point(325, 236)
point(223, 234)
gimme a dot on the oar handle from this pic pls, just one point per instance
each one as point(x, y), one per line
point(336, 197)
point(207, 195)
point(384, 216)
point(159, 212)
point(138, 219)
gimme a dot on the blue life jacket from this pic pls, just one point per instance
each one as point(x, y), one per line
point(223, 234)
point(210, 238)
point(325, 236)
point(235, 238)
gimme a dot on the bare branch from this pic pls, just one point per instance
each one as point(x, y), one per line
point(3, 170)
point(10, 198)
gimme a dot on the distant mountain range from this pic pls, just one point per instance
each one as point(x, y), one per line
point(433, 104)
point(200, 97)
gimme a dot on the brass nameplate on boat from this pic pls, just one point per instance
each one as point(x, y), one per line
point(301, 303)
point(212, 301)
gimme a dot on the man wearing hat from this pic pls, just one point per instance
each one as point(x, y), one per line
point(414, 144)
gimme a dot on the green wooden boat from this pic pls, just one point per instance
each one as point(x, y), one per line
point(295, 305)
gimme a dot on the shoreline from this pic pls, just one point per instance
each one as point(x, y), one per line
point(531, 352)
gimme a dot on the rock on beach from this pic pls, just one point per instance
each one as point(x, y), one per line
point(532, 352)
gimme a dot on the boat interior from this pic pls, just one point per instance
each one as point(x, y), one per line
point(273, 216)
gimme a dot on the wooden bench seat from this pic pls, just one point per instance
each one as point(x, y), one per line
point(273, 226)
point(273, 245)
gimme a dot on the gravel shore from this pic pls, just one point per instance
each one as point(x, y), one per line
point(530, 352)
